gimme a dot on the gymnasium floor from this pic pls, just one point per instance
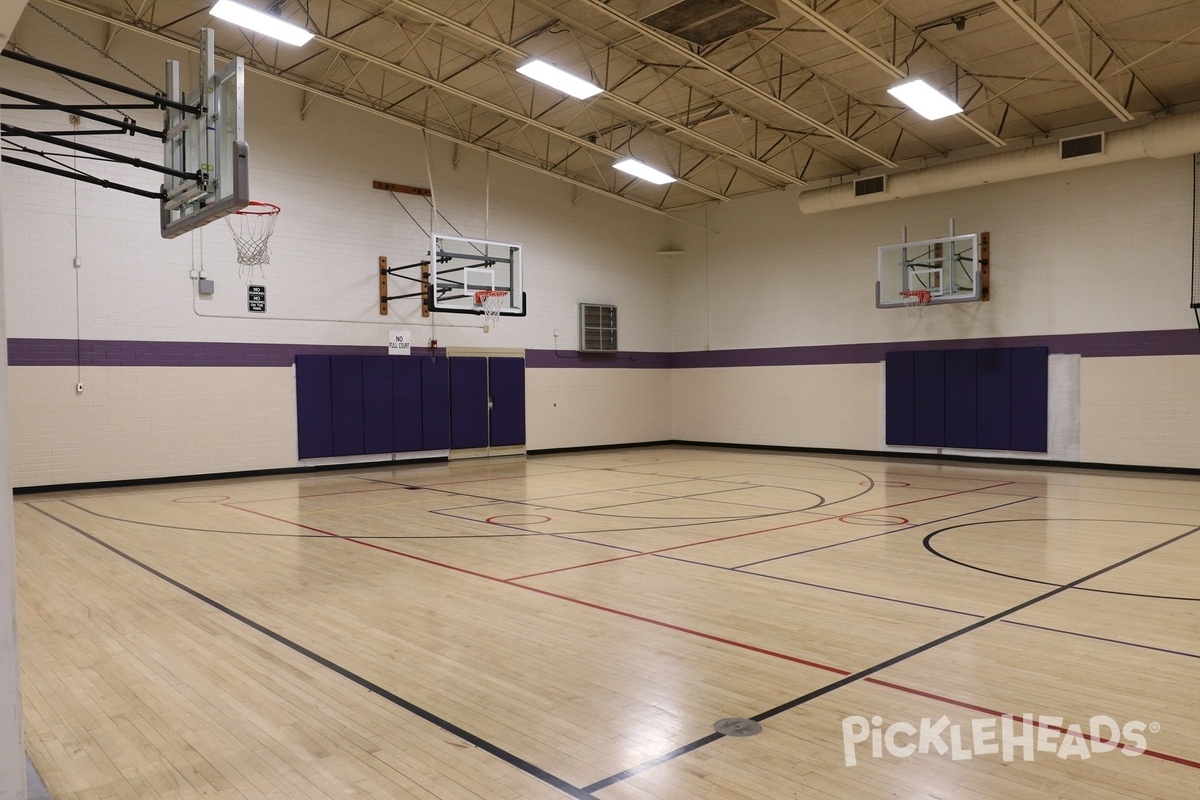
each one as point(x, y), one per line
point(573, 625)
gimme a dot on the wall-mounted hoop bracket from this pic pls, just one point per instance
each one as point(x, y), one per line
point(422, 279)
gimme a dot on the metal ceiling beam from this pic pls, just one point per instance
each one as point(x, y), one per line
point(888, 8)
point(844, 89)
point(1039, 35)
point(629, 107)
point(181, 41)
point(1126, 60)
point(880, 62)
point(579, 30)
point(716, 69)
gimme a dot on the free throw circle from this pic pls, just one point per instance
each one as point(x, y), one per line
point(873, 519)
point(517, 519)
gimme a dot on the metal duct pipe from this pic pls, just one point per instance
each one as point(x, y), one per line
point(1166, 137)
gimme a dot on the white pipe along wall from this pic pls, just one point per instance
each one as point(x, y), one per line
point(1166, 137)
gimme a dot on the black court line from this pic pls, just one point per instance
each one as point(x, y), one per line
point(1155, 648)
point(968, 565)
point(891, 662)
point(315, 536)
point(907, 527)
point(374, 688)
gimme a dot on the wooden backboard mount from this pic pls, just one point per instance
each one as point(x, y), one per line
point(401, 189)
point(385, 271)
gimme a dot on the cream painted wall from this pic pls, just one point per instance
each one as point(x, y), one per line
point(831, 406)
point(137, 422)
point(1092, 251)
point(1066, 249)
point(1100, 249)
point(322, 283)
point(1141, 411)
point(587, 407)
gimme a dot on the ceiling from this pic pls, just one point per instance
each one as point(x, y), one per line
point(797, 100)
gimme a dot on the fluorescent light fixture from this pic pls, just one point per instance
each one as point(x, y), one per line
point(556, 78)
point(644, 171)
point(255, 20)
point(924, 99)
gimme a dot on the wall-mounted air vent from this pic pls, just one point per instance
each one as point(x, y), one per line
point(866, 186)
point(1079, 146)
point(706, 21)
point(597, 328)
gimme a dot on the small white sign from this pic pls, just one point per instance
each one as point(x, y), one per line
point(399, 343)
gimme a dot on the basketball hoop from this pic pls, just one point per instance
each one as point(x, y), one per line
point(252, 228)
point(490, 301)
point(915, 301)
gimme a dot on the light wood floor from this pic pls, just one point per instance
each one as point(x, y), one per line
point(573, 626)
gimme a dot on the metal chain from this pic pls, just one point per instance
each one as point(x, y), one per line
point(76, 84)
point(97, 49)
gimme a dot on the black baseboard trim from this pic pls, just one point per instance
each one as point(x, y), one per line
point(588, 447)
point(221, 476)
point(830, 451)
point(953, 457)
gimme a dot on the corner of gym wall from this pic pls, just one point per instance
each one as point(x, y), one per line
point(178, 383)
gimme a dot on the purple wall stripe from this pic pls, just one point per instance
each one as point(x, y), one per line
point(118, 353)
point(621, 360)
point(1088, 345)
point(101, 353)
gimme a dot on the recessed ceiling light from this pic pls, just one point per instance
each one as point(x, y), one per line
point(255, 20)
point(924, 99)
point(558, 79)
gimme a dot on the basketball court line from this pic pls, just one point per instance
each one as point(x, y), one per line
point(865, 674)
point(848, 677)
point(915, 604)
point(966, 565)
point(587, 792)
point(756, 533)
point(374, 688)
point(1103, 639)
point(907, 527)
point(192, 529)
point(671, 482)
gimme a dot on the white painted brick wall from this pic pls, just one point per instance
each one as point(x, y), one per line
point(139, 422)
point(586, 407)
point(1141, 411)
point(322, 283)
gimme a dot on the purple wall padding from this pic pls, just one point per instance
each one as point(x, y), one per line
point(929, 398)
point(377, 404)
point(314, 407)
point(899, 411)
point(435, 403)
point(996, 399)
point(468, 402)
point(1030, 403)
point(506, 386)
point(961, 398)
point(347, 382)
point(407, 415)
point(994, 371)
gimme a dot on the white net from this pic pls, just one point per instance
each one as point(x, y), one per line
point(252, 228)
point(915, 302)
point(490, 302)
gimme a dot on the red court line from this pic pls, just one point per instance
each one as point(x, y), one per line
point(685, 630)
point(1187, 762)
point(752, 533)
